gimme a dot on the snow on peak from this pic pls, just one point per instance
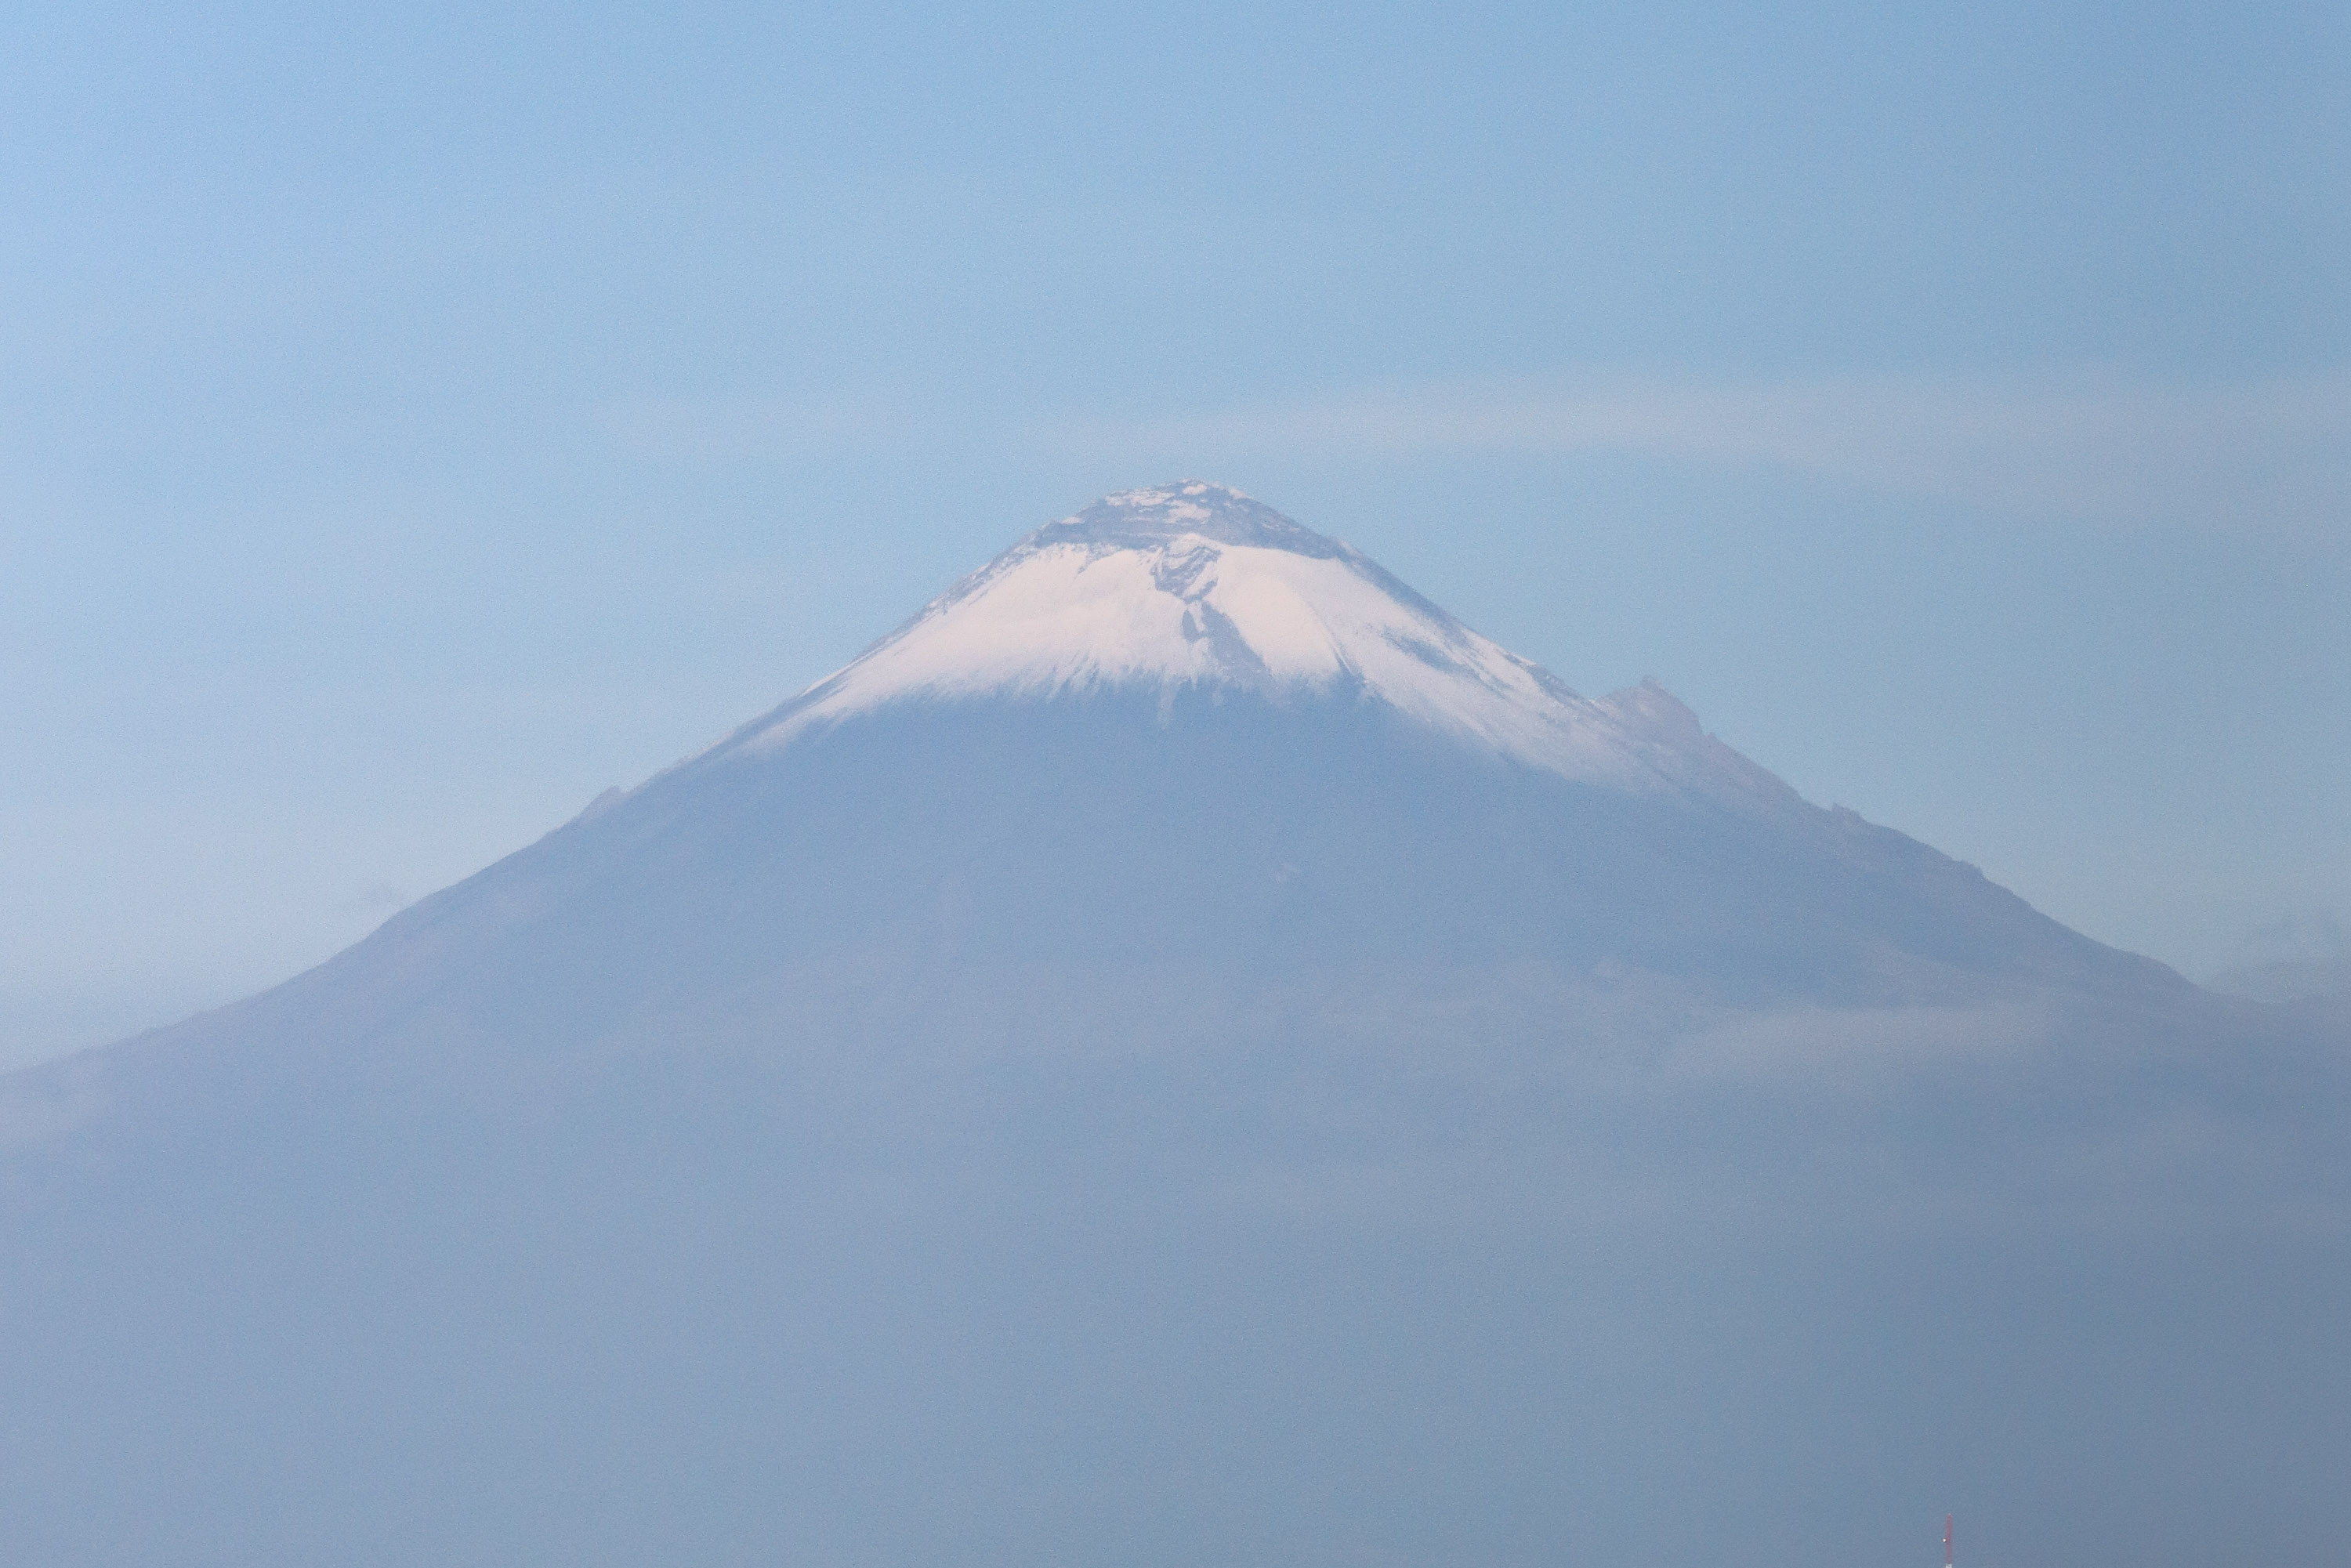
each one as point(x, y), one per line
point(1142, 518)
point(1196, 585)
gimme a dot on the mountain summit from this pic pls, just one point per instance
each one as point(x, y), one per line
point(1193, 587)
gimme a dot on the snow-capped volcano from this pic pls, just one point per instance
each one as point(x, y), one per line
point(1183, 1052)
point(1195, 587)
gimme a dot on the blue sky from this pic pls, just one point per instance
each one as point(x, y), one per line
point(411, 424)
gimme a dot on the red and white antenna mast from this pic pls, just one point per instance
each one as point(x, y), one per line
point(1947, 1540)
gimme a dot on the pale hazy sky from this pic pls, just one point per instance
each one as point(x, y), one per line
point(414, 419)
